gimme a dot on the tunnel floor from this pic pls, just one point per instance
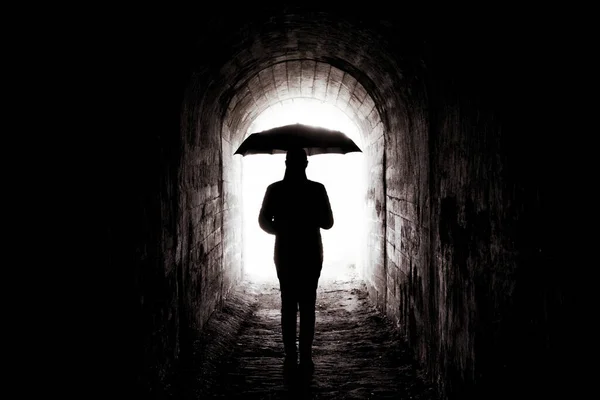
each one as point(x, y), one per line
point(357, 353)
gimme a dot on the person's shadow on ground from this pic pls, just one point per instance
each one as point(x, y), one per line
point(298, 383)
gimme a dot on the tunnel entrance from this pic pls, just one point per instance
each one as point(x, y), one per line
point(475, 290)
point(305, 91)
point(344, 177)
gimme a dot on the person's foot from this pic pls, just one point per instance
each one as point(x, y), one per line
point(290, 363)
point(288, 360)
point(290, 367)
point(306, 367)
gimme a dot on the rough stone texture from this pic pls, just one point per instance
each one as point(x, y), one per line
point(232, 217)
point(494, 277)
point(460, 205)
point(407, 267)
point(201, 217)
point(357, 352)
point(374, 267)
point(287, 80)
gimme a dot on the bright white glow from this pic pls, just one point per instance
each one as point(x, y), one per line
point(344, 177)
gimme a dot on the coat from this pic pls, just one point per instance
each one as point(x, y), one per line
point(295, 211)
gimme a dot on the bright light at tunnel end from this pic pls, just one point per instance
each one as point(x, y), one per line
point(344, 176)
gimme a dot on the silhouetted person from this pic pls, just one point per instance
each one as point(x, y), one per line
point(294, 210)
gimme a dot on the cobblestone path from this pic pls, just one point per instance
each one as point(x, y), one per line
point(356, 351)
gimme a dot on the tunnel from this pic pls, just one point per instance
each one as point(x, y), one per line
point(458, 237)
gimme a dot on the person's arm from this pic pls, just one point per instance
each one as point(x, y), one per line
point(265, 216)
point(325, 213)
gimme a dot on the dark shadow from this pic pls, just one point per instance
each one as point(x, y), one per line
point(298, 383)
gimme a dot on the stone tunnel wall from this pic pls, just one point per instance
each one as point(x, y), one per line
point(407, 197)
point(469, 271)
point(233, 204)
point(496, 287)
point(201, 224)
point(373, 271)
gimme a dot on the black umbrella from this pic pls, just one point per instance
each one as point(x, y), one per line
point(315, 140)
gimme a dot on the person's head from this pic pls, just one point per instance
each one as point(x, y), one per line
point(296, 159)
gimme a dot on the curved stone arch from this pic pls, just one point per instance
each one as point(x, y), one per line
point(302, 78)
point(288, 79)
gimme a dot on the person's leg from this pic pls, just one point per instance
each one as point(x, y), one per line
point(289, 312)
point(307, 300)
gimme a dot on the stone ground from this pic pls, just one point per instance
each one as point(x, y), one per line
point(356, 351)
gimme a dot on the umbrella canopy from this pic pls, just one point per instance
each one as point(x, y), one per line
point(314, 140)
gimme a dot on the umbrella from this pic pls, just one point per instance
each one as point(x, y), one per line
point(314, 140)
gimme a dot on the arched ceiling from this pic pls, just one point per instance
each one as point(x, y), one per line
point(273, 54)
point(301, 79)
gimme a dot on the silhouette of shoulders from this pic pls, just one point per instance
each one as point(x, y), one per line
point(283, 183)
